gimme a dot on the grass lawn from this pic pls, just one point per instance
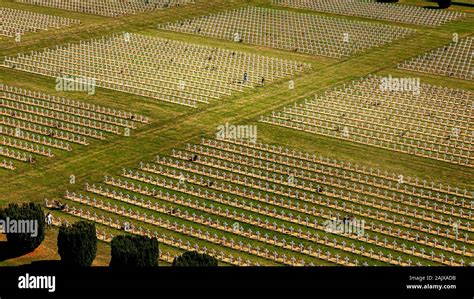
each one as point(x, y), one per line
point(173, 126)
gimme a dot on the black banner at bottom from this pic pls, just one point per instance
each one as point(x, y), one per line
point(238, 282)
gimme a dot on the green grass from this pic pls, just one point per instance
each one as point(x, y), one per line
point(172, 126)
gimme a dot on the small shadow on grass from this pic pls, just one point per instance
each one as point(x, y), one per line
point(6, 252)
point(431, 7)
point(48, 264)
point(463, 4)
point(457, 3)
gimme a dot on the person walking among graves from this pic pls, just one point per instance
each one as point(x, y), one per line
point(49, 219)
point(245, 77)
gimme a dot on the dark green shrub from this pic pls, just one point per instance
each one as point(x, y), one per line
point(131, 251)
point(194, 259)
point(29, 226)
point(77, 244)
point(444, 3)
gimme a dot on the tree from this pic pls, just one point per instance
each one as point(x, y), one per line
point(444, 3)
point(131, 251)
point(195, 259)
point(77, 244)
point(25, 226)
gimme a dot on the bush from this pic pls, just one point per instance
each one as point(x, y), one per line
point(444, 3)
point(131, 251)
point(77, 244)
point(194, 259)
point(27, 216)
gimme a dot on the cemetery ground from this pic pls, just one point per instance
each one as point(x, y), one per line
point(173, 126)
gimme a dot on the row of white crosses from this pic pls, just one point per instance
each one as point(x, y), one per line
point(138, 188)
point(15, 154)
point(299, 192)
point(202, 181)
point(10, 99)
point(256, 221)
point(408, 14)
point(341, 169)
point(58, 111)
point(65, 112)
point(167, 70)
point(163, 209)
point(198, 191)
point(312, 181)
point(14, 22)
point(368, 137)
point(190, 231)
point(51, 125)
point(26, 146)
point(441, 204)
point(257, 195)
point(21, 126)
point(7, 164)
point(234, 216)
point(214, 223)
point(109, 8)
point(53, 122)
point(35, 138)
point(15, 108)
point(459, 206)
point(434, 123)
point(97, 111)
point(452, 60)
point(298, 32)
